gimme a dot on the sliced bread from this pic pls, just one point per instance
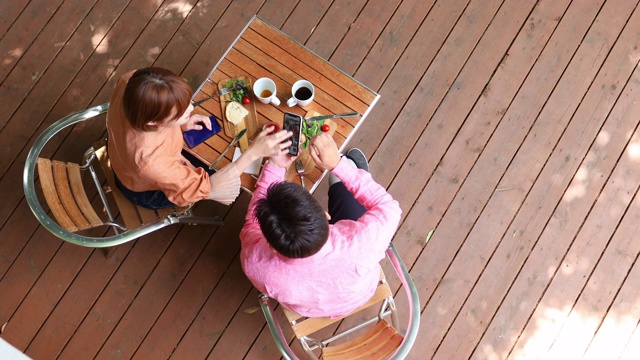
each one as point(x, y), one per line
point(235, 112)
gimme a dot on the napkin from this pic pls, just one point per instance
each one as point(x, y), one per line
point(253, 168)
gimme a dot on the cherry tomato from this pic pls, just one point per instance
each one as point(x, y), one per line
point(325, 128)
point(246, 100)
point(274, 128)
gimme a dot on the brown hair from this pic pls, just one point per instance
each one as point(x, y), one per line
point(155, 94)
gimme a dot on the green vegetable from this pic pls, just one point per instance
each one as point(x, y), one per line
point(238, 90)
point(310, 131)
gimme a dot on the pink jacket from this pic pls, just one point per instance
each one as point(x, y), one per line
point(344, 274)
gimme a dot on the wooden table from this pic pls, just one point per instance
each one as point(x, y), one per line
point(264, 51)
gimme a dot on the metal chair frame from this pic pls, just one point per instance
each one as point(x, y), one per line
point(121, 233)
point(387, 308)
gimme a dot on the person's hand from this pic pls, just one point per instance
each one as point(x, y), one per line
point(197, 122)
point(265, 145)
point(282, 160)
point(324, 151)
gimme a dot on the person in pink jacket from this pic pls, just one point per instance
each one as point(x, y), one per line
point(314, 263)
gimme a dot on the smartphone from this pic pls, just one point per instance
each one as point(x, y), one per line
point(194, 137)
point(293, 123)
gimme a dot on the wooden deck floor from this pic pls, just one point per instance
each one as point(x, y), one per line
point(510, 128)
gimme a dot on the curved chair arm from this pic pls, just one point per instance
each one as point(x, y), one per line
point(414, 303)
point(412, 327)
point(28, 182)
point(274, 327)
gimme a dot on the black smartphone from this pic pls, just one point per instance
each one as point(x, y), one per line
point(293, 123)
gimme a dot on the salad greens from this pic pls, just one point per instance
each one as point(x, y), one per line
point(239, 90)
point(310, 131)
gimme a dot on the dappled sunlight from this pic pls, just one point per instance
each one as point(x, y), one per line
point(100, 41)
point(12, 56)
point(603, 138)
point(578, 186)
point(181, 8)
point(153, 53)
point(546, 327)
point(634, 151)
point(614, 333)
point(577, 335)
point(590, 167)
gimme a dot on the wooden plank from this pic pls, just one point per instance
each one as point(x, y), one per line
point(599, 225)
point(215, 314)
point(61, 179)
point(555, 239)
point(146, 215)
point(156, 292)
point(75, 304)
point(609, 274)
point(77, 188)
point(50, 190)
point(287, 63)
point(362, 34)
point(45, 294)
point(330, 72)
point(105, 313)
point(9, 12)
point(234, 18)
point(189, 37)
point(394, 57)
point(38, 104)
point(622, 318)
point(197, 285)
point(341, 17)
point(25, 270)
point(26, 27)
point(246, 323)
point(505, 203)
point(304, 19)
point(20, 227)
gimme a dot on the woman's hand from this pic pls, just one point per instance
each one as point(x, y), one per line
point(282, 160)
point(197, 122)
point(324, 151)
point(265, 145)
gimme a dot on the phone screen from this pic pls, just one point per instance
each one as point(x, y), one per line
point(293, 123)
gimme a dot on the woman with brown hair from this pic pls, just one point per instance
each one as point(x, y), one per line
point(149, 110)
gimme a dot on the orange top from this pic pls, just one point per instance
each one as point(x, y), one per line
point(153, 160)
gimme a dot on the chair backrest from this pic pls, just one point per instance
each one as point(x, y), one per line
point(383, 340)
point(66, 198)
point(64, 192)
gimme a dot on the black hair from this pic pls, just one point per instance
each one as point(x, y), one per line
point(292, 220)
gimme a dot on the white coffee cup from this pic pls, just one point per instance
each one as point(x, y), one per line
point(302, 92)
point(265, 90)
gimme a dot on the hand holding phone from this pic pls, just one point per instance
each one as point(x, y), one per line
point(293, 123)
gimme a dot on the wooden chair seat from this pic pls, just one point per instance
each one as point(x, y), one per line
point(304, 326)
point(379, 340)
point(132, 215)
point(377, 343)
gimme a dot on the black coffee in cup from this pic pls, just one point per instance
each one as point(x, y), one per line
point(303, 93)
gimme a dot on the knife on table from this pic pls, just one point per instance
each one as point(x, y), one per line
point(325, 117)
point(231, 144)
